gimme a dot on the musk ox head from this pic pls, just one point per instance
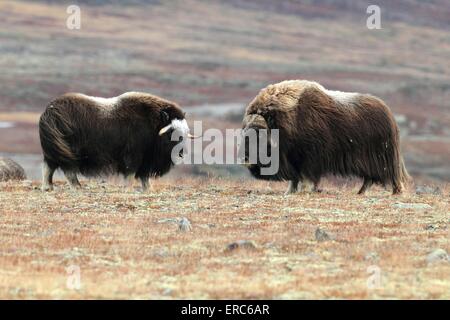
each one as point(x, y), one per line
point(259, 147)
point(175, 134)
point(272, 114)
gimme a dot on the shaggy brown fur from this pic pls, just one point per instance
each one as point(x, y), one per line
point(93, 136)
point(11, 170)
point(328, 132)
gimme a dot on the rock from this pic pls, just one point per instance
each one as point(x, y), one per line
point(416, 206)
point(428, 190)
point(322, 235)
point(11, 170)
point(372, 256)
point(167, 292)
point(438, 255)
point(162, 252)
point(431, 227)
point(372, 200)
point(184, 225)
point(27, 183)
point(241, 244)
point(168, 220)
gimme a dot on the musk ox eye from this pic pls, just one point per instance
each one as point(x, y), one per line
point(270, 121)
point(165, 117)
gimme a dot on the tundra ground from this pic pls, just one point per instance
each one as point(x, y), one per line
point(128, 244)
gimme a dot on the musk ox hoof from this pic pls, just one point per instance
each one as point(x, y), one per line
point(75, 186)
point(146, 189)
point(292, 188)
point(290, 192)
point(47, 188)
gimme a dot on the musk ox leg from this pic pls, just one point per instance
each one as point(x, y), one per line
point(397, 187)
point(316, 187)
point(366, 184)
point(47, 177)
point(73, 180)
point(305, 185)
point(311, 185)
point(145, 183)
point(292, 188)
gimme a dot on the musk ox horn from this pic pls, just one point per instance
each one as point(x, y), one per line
point(191, 136)
point(165, 129)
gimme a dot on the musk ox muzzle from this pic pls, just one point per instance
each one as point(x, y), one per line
point(259, 145)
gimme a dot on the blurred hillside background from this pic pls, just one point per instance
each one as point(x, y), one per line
point(213, 57)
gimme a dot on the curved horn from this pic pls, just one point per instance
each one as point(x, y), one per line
point(165, 129)
point(190, 136)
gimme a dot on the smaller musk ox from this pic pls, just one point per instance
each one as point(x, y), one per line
point(323, 132)
point(128, 134)
point(10, 170)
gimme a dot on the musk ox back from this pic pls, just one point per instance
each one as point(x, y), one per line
point(11, 170)
point(128, 134)
point(325, 132)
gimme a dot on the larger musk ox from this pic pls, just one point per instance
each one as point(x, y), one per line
point(324, 132)
point(128, 134)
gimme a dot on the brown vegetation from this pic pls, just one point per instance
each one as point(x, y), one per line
point(129, 245)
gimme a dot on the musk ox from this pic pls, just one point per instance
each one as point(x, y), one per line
point(11, 170)
point(324, 132)
point(128, 134)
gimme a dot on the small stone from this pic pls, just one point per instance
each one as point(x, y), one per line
point(428, 190)
point(371, 256)
point(372, 200)
point(184, 225)
point(168, 220)
point(431, 227)
point(438, 255)
point(241, 244)
point(416, 206)
point(27, 183)
point(167, 292)
point(322, 235)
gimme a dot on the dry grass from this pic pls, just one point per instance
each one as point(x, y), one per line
point(127, 246)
